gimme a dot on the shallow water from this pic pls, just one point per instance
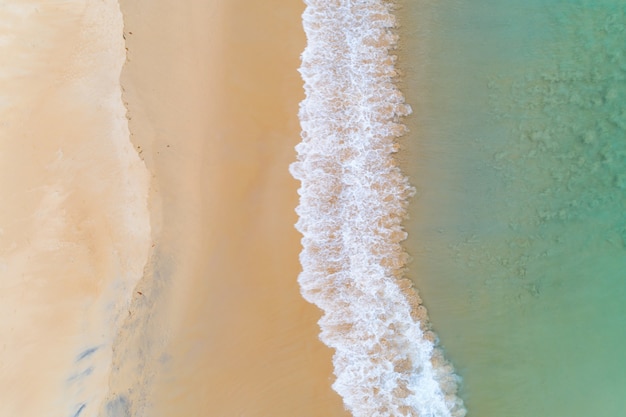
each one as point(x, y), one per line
point(518, 234)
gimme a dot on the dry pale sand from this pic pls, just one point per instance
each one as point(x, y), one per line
point(220, 328)
point(74, 230)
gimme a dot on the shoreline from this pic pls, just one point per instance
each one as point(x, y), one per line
point(352, 206)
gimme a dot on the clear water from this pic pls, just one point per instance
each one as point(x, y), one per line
point(518, 236)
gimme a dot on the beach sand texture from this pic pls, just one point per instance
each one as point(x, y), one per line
point(215, 92)
point(190, 308)
point(74, 234)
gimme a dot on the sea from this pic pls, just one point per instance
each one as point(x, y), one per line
point(478, 149)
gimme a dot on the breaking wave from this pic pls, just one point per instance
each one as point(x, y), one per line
point(353, 199)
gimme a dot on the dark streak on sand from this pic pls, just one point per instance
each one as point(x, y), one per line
point(86, 353)
point(85, 373)
point(80, 410)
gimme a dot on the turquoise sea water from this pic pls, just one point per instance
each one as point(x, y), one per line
point(518, 235)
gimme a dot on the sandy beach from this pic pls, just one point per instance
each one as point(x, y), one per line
point(152, 271)
point(212, 92)
point(74, 229)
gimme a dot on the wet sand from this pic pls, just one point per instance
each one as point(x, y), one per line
point(220, 327)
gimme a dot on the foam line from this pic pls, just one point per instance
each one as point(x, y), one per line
point(353, 198)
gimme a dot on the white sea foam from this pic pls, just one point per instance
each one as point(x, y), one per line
point(353, 198)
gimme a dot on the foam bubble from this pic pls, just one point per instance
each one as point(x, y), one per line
point(353, 198)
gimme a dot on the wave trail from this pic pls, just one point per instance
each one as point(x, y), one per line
point(353, 198)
